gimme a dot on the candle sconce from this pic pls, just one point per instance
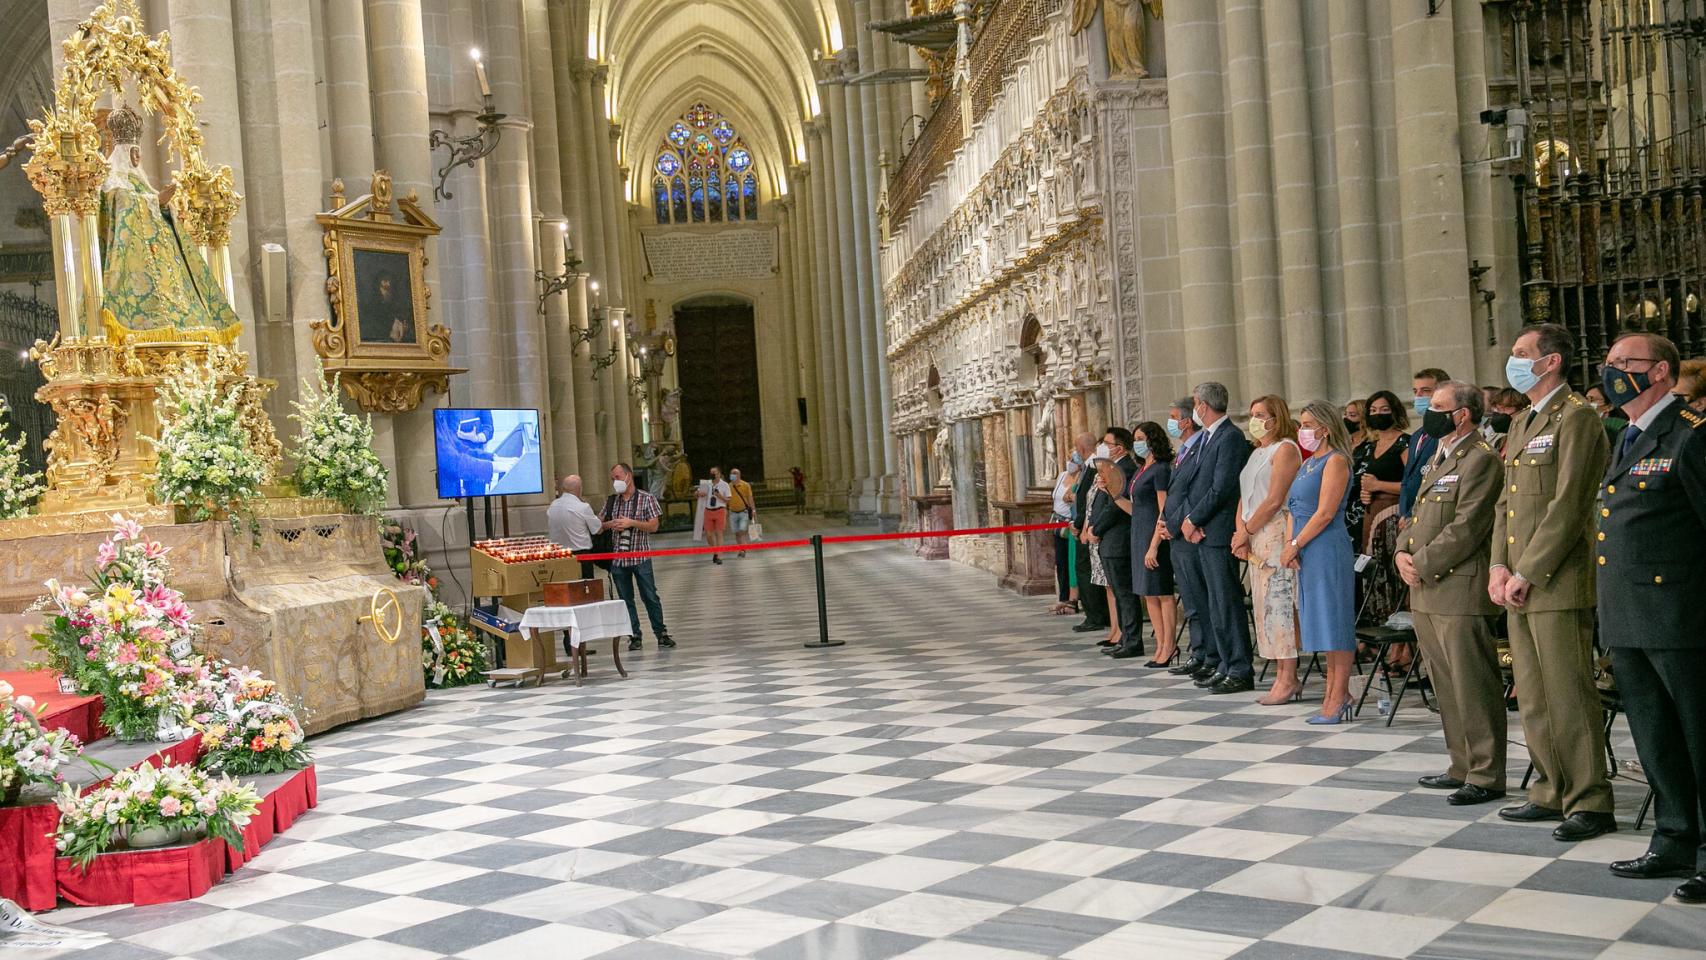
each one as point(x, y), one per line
point(594, 323)
point(465, 151)
point(551, 286)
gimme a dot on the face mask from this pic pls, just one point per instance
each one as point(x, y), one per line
point(734, 478)
point(1384, 421)
point(619, 486)
point(1077, 458)
point(1258, 428)
point(1173, 428)
point(1352, 427)
point(1309, 440)
point(1438, 424)
point(1621, 386)
point(1102, 452)
point(1196, 418)
point(1519, 373)
point(1141, 449)
point(1500, 422)
point(1419, 404)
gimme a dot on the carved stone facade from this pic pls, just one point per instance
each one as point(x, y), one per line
point(1010, 234)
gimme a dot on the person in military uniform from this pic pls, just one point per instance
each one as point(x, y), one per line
point(1652, 521)
point(1442, 555)
point(1543, 575)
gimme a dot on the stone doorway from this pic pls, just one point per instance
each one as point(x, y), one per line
point(717, 363)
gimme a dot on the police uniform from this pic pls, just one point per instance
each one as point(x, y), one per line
point(1652, 519)
point(1447, 541)
point(1544, 531)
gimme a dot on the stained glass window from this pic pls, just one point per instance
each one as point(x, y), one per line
point(704, 171)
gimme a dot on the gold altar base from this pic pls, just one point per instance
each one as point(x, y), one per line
point(154, 515)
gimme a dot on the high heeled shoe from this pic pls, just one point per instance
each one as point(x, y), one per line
point(1296, 696)
point(1158, 663)
point(1332, 720)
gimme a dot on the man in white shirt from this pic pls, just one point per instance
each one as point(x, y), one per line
point(716, 496)
point(572, 521)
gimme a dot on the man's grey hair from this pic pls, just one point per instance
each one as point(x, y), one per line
point(1466, 396)
point(1213, 394)
point(1183, 405)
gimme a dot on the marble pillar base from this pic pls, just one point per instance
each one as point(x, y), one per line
point(935, 512)
point(1029, 568)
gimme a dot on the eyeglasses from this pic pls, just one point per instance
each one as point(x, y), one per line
point(1623, 364)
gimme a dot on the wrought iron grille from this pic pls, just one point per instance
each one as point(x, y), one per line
point(23, 321)
point(1613, 188)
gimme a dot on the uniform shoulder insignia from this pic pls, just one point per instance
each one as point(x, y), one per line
point(1484, 445)
point(1694, 420)
point(1577, 399)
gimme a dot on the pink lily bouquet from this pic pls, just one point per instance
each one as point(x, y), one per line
point(29, 753)
point(152, 806)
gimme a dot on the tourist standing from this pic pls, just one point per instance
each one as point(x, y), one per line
point(1260, 539)
point(716, 495)
point(572, 522)
point(632, 516)
point(799, 477)
point(1443, 558)
point(743, 509)
point(1543, 575)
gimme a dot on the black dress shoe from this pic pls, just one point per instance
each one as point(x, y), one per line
point(1107, 643)
point(1087, 626)
point(665, 640)
point(1584, 825)
point(1204, 672)
point(1469, 794)
point(1530, 813)
point(1439, 781)
point(634, 644)
point(1127, 653)
point(1694, 891)
point(1212, 680)
point(1234, 685)
point(1187, 668)
point(1651, 866)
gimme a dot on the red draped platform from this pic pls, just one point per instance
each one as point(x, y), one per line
point(36, 879)
point(59, 711)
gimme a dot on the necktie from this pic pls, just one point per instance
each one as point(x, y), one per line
point(1530, 421)
point(1629, 437)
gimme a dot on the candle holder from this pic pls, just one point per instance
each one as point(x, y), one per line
point(551, 286)
point(465, 151)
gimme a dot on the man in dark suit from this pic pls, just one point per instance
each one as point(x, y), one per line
point(1210, 509)
point(1187, 568)
point(1423, 447)
point(1093, 599)
point(1652, 520)
point(1112, 526)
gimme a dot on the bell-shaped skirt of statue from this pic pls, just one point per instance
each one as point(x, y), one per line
point(158, 287)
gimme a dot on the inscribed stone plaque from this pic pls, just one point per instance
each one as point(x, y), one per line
point(681, 256)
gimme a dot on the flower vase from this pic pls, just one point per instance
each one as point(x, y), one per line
point(144, 838)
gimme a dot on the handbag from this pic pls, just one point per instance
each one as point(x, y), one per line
point(604, 541)
point(755, 532)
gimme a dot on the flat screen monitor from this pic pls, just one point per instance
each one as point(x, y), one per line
point(487, 453)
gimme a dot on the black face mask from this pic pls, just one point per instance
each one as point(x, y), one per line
point(1438, 424)
point(1380, 421)
point(1500, 422)
point(1352, 427)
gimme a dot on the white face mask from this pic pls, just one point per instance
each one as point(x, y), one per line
point(1102, 452)
point(619, 486)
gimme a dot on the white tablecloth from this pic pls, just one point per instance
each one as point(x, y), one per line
point(588, 621)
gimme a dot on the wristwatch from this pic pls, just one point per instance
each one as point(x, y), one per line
point(1293, 541)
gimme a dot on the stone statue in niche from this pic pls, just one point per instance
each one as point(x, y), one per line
point(1044, 430)
point(671, 412)
point(941, 452)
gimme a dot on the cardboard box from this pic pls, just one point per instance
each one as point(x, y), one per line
point(494, 578)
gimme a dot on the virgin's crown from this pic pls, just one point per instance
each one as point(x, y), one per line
point(125, 126)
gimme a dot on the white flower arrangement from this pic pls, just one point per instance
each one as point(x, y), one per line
point(334, 449)
point(29, 753)
point(176, 798)
point(19, 487)
point(206, 464)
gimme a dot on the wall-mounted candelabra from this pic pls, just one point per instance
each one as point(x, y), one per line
point(551, 286)
point(465, 151)
point(595, 319)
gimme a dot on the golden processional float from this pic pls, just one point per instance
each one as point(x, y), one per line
point(156, 301)
point(145, 291)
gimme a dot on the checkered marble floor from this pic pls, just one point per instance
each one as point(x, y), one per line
point(965, 778)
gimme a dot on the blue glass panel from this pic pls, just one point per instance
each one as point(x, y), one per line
point(660, 199)
point(739, 159)
point(678, 199)
point(714, 199)
point(731, 193)
point(679, 135)
point(668, 164)
point(723, 131)
point(696, 193)
point(751, 192)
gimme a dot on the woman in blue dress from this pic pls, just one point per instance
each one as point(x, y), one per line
point(1318, 547)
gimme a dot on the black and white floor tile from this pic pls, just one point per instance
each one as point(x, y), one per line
point(965, 779)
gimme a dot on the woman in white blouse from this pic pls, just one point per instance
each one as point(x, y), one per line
point(1065, 573)
point(1260, 537)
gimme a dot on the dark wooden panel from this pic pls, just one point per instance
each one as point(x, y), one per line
point(717, 361)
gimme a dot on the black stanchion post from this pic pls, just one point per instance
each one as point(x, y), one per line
point(822, 600)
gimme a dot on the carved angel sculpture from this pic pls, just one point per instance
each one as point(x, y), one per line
point(1126, 29)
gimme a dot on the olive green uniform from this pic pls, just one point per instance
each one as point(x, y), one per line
point(1447, 541)
point(1544, 531)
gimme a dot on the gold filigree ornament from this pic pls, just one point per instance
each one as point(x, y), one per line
point(385, 613)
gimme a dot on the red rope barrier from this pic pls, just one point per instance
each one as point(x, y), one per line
point(789, 544)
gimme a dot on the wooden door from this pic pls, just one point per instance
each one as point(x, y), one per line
point(717, 362)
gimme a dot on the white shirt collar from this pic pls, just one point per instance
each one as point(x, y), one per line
point(1448, 446)
point(1547, 400)
point(1645, 420)
point(1215, 425)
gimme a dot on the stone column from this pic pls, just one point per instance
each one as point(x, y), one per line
point(788, 315)
point(1430, 184)
point(347, 96)
point(832, 382)
point(615, 229)
point(514, 235)
point(849, 189)
point(804, 320)
point(1265, 362)
point(1474, 142)
point(1205, 263)
point(1360, 242)
point(1294, 200)
point(592, 137)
